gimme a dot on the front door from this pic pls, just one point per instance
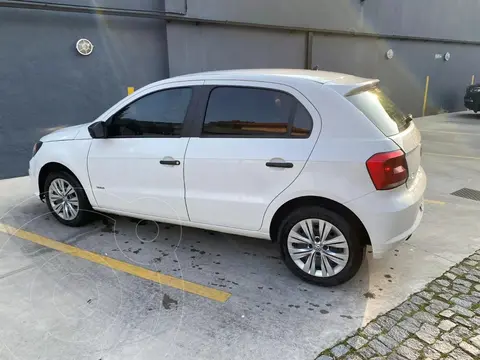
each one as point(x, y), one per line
point(138, 169)
point(255, 141)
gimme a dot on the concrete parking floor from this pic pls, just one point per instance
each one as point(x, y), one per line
point(58, 305)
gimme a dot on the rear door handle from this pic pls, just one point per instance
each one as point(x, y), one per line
point(284, 165)
point(169, 162)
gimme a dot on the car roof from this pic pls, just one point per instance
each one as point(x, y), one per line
point(279, 74)
point(342, 83)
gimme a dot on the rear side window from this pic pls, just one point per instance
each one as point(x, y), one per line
point(302, 122)
point(377, 107)
point(255, 112)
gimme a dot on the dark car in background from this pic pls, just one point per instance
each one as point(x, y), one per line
point(472, 97)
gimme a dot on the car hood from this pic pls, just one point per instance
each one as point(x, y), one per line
point(67, 133)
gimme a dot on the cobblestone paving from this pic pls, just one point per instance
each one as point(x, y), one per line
point(440, 322)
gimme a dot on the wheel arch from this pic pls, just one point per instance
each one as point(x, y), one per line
point(49, 168)
point(332, 205)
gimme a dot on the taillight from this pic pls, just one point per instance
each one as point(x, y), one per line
point(388, 170)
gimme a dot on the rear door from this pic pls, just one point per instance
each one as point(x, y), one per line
point(253, 141)
point(380, 110)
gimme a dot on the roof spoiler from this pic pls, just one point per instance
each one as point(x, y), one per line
point(363, 87)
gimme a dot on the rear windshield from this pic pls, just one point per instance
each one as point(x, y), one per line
point(377, 107)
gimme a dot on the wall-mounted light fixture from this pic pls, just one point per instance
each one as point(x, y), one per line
point(84, 47)
point(447, 56)
point(389, 54)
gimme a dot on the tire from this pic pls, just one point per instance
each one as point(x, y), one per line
point(83, 215)
point(352, 249)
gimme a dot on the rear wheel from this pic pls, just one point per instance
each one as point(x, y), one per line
point(320, 246)
point(66, 199)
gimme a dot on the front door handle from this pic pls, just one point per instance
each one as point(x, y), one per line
point(169, 162)
point(284, 165)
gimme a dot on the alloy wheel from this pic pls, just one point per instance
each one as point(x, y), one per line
point(318, 247)
point(63, 199)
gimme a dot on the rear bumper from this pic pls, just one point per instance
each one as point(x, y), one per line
point(391, 217)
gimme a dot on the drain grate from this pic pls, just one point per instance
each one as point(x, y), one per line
point(467, 194)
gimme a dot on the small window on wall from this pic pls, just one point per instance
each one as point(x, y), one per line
point(254, 112)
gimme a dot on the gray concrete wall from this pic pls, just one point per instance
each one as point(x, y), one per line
point(336, 14)
point(226, 46)
point(45, 83)
point(193, 48)
point(145, 5)
point(449, 19)
point(404, 75)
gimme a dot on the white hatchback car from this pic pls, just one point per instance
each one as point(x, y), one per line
point(321, 163)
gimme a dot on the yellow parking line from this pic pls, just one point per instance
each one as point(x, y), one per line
point(436, 202)
point(453, 156)
point(143, 273)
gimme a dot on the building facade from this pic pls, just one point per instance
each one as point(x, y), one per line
point(45, 83)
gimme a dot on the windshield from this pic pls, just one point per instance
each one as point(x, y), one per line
point(378, 107)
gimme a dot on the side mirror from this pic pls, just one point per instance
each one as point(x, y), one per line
point(98, 130)
point(409, 118)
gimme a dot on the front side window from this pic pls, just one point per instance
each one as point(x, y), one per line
point(155, 115)
point(244, 111)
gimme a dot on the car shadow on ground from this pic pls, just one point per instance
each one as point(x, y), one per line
point(223, 261)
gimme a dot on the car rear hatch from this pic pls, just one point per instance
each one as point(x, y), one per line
point(386, 116)
point(410, 142)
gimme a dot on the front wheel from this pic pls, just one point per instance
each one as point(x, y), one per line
point(66, 199)
point(320, 246)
